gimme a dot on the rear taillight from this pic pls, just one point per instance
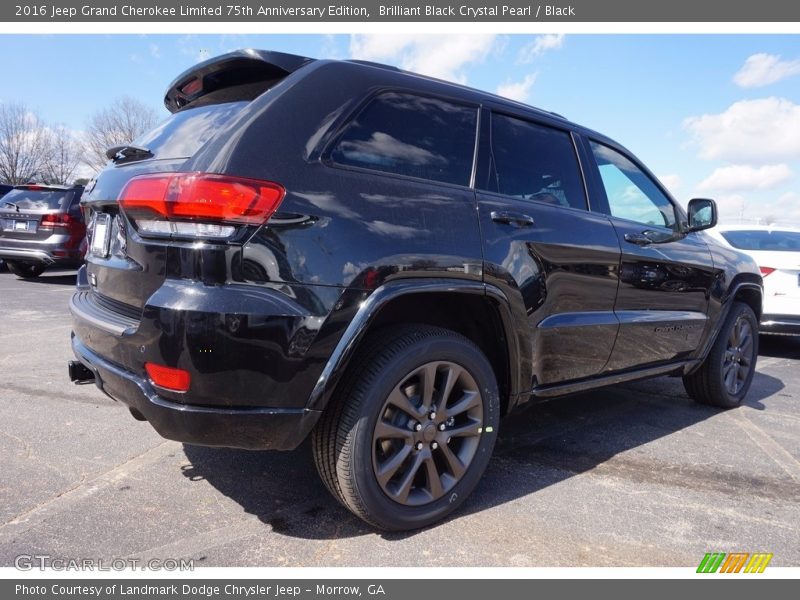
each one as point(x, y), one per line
point(198, 204)
point(766, 271)
point(59, 220)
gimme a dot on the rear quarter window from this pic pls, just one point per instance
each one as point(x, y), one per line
point(411, 135)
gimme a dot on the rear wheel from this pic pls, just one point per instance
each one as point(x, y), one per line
point(25, 270)
point(411, 427)
point(725, 376)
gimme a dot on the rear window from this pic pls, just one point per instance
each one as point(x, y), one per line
point(183, 133)
point(37, 199)
point(772, 241)
point(411, 135)
point(534, 162)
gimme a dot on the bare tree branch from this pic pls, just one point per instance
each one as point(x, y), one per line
point(62, 156)
point(23, 144)
point(121, 123)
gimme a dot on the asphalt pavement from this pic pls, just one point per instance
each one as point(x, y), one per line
point(632, 475)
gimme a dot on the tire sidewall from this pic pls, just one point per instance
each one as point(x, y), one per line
point(385, 511)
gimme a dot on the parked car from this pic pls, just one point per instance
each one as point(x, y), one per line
point(41, 226)
point(389, 263)
point(776, 249)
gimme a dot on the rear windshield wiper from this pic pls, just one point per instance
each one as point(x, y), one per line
point(11, 204)
point(127, 152)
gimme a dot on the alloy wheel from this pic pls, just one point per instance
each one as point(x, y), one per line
point(427, 433)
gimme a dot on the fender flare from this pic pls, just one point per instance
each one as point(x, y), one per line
point(360, 324)
point(725, 307)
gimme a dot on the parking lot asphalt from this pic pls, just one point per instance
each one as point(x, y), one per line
point(632, 475)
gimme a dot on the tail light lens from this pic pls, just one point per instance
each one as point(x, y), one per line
point(59, 220)
point(766, 271)
point(198, 204)
point(168, 378)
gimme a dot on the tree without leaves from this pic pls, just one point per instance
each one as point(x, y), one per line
point(121, 123)
point(61, 157)
point(23, 144)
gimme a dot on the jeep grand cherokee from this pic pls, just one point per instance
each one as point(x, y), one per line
point(389, 264)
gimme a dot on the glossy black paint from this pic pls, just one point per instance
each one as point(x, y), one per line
point(267, 321)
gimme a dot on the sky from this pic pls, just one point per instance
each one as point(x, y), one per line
point(712, 115)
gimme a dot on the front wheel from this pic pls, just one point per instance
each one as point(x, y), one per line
point(725, 376)
point(25, 270)
point(411, 428)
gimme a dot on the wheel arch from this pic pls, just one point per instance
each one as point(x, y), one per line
point(474, 309)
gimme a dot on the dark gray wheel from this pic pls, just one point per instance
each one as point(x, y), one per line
point(411, 427)
point(738, 359)
point(727, 372)
point(25, 270)
point(427, 433)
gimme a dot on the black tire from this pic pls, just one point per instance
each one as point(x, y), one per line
point(725, 376)
point(25, 270)
point(350, 451)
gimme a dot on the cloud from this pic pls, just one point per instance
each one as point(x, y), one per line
point(671, 182)
point(763, 69)
point(442, 56)
point(517, 90)
point(784, 210)
point(155, 51)
point(739, 178)
point(540, 44)
point(759, 131)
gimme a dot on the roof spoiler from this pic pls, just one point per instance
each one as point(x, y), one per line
point(234, 68)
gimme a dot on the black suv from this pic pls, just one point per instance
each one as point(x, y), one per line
point(389, 264)
point(41, 226)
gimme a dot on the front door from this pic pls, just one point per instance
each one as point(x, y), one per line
point(665, 276)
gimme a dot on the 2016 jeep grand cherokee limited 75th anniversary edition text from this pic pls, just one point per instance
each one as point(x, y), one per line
point(389, 263)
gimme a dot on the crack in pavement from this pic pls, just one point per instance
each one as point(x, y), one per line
point(779, 455)
point(87, 487)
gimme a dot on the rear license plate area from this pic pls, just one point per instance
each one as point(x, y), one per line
point(101, 236)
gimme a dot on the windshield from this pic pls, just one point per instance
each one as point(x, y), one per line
point(772, 241)
point(36, 199)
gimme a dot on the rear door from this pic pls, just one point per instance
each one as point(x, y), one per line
point(665, 278)
point(542, 242)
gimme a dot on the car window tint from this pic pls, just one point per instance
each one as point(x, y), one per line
point(631, 193)
point(182, 134)
point(773, 241)
point(411, 135)
point(38, 199)
point(534, 162)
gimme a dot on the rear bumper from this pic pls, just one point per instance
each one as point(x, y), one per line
point(251, 428)
point(39, 256)
point(782, 324)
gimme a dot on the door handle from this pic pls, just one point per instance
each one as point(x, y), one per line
point(639, 239)
point(512, 218)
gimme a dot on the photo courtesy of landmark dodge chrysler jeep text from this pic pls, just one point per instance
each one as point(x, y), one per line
point(389, 264)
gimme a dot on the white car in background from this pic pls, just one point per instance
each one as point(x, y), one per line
point(777, 251)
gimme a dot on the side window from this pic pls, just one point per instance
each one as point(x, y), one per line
point(411, 135)
point(631, 193)
point(534, 162)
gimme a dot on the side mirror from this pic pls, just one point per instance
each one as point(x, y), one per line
point(702, 214)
